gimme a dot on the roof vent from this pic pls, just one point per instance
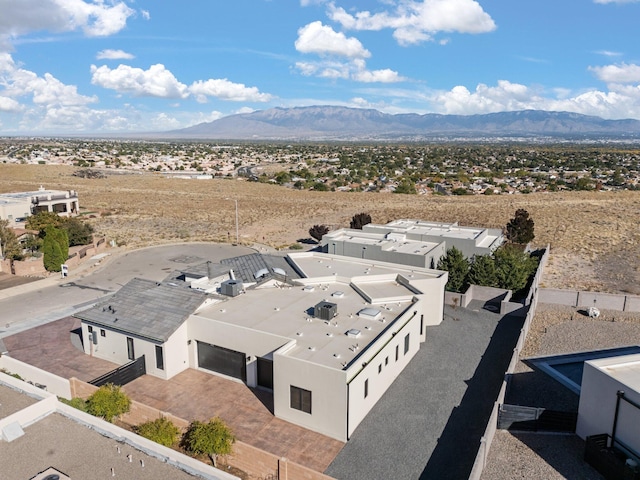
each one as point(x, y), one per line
point(338, 294)
point(263, 272)
point(308, 288)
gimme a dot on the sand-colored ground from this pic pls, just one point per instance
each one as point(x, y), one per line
point(594, 236)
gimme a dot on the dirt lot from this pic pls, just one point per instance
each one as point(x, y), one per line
point(594, 236)
point(7, 280)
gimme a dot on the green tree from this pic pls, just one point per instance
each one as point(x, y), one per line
point(41, 220)
point(52, 255)
point(79, 232)
point(359, 220)
point(32, 243)
point(458, 266)
point(317, 231)
point(482, 271)
point(9, 246)
point(213, 438)
point(161, 430)
point(108, 402)
point(61, 237)
point(513, 267)
point(406, 186)
point(520, 227)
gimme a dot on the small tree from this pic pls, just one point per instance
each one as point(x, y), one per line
point(41, 220)
point(79, 232)
point(108, 402)
point(161, 430)
point(9, 246)
point(213, 438)
point(359, 220)
point(513, 267)
point(520, 228)
point(482, 271)
point(317, 231)
point(458, 266)
point(52, 255)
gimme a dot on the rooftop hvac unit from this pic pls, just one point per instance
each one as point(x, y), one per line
point(325, 310)
point(231, 288)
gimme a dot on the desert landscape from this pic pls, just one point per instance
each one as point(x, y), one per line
point(594, 236)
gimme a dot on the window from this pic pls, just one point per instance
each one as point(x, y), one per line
point(386, 361)
point(301, 399)
point(421, 324)
point(90, 329)
point(379, 368)
point(103, 333)
point(406, 344)
point(366, 388)
point(159, 358)
point(397, 352)
point(130, 352)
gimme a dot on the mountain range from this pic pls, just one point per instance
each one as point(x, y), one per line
point(354, 124)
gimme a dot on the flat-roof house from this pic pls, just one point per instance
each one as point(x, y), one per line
point(16, 207)
point(610, 403)
point(411, 242)
point(326, 334)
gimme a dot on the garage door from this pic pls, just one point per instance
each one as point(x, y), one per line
point(222, 360)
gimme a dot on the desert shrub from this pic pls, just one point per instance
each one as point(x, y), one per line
point(161, 430)
point(108, 402)
point(295, 246)
point(317, 231)
point(359, 220)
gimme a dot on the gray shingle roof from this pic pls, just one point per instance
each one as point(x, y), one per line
point(145, 308)
point(246, 266)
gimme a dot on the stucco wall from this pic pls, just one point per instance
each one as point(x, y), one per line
point(328, 387)
point(596, 410)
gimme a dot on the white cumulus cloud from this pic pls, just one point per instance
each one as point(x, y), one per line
point(94, 18)
point(323, 40)
point(9, 105)
point(157, 81)
point(622, 73)
point(109, 54)
point(414, 22)
point(223, 89)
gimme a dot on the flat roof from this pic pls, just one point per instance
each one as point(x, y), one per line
point(79, 453)
point(12, 401)
point(625, 369)
point(403, 245)
point(288, 311)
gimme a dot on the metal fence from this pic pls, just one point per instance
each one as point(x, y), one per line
point(123, 374)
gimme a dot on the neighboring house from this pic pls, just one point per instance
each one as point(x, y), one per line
point(326, 334)
point(16, 207)
point(411, 242)
point(610, 402)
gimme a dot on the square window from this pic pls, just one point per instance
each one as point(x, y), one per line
point(300, 399)
point(103, 333)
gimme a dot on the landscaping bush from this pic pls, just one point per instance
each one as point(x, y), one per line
point(108, 402)
point(76, 402)
point(213, 438)
point(160, 430)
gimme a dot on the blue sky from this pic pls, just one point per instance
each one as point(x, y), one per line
point(120, 66)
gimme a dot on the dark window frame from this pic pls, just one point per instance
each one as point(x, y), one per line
point(131, 352)
point(366, 388)
point(300, 399)
point(159, 357)
point(406, 343)
point(103, 332)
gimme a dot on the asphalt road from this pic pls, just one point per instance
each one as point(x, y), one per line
point(66, 297)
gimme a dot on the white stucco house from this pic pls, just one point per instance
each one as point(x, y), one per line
point(326, 334)
point(16, 207)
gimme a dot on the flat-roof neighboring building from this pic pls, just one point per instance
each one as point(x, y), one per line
point(326, 334)
point(43, 439)
point(16, 207)
point(610, 402)
point(411, 242)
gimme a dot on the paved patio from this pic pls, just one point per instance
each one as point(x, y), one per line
point(190, 395)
